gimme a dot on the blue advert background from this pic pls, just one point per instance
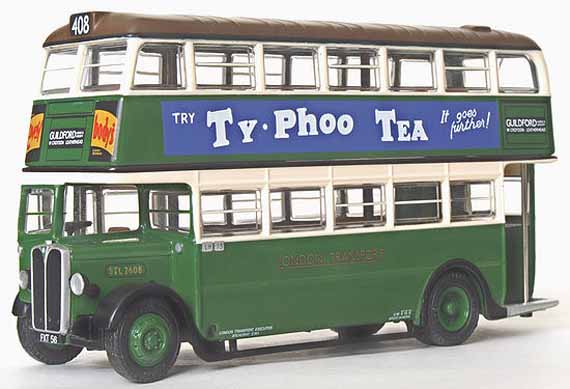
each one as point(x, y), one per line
point(234, 126)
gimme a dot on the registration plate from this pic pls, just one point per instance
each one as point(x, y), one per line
point(50, 338)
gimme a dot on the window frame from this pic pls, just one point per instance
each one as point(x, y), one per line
point(214, 47)
point(39, 214)
point(169, 191)
point(87, 67)
point(100, 216)
point(363, 221)
point(517, 90)
point(439, 201)
point(282, 49)
point(291, 225)
point(492, 198)
point(73, 69)
point(181, 66)
point(486, 69)
point(412, 52)
point(227, 228)
point(374, 67)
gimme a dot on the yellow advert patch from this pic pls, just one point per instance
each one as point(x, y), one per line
point(103, 134)
point(35, 132)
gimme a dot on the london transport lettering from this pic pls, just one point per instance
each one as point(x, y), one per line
point(209, 127)
point(347, 257)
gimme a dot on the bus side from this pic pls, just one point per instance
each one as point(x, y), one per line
point(285, 285)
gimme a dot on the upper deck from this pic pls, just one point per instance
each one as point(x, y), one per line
point(137, 92)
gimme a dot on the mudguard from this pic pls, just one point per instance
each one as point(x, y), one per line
point(490, 309)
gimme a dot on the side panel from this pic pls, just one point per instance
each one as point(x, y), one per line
point(263, 287)
point(201, 131)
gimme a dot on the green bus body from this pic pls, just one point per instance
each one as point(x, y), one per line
point(139, 135)
point(366, 278)
point(267, 287)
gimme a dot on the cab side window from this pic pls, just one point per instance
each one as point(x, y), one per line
point(94, 209)
point(39, 211)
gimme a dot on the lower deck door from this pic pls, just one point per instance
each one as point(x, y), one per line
point(518, 229)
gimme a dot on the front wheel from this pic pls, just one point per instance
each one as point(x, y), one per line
point(145, 344)
point(452, 311)
point(42, 352)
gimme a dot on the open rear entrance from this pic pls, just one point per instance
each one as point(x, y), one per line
point(519, 226)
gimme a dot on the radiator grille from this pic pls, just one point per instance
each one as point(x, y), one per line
point(50, 289)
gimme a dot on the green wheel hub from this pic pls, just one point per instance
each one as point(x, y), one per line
point(149, 339)
point(454, 309)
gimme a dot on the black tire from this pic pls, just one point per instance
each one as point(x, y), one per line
point(118, 344)
point(444, 325)
point(358, 332)
point(50, 355)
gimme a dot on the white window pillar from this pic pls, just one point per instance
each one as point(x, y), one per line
point(440, 77)
point(259, 69)
point(190, 68)
point(323, 69)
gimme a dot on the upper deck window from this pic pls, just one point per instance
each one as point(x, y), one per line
point(59, 71)
point(517, 74)
point(291, 68)
point(353, 69)
point(466, 72)
point(224, 66)
point(411, 71)
point(103, 68)
point(160, 66)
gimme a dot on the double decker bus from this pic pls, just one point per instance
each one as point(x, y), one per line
point(217, 179)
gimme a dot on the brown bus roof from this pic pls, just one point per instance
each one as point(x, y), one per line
point(110, 24)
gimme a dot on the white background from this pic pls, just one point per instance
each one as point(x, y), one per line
point(515, 353)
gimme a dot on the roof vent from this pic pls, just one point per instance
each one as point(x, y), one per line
point(477, 28)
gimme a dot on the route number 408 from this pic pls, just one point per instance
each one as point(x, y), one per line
point(80, 24)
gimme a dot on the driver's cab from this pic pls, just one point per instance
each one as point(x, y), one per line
point(88, 211)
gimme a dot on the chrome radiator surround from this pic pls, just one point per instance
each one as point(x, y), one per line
point(50, 270)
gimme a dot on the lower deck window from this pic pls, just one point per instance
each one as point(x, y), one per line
point(417, 203)
point(229, 213)
point(472, 200)
point(170, 210)
point(297, 209)
point(360, 206)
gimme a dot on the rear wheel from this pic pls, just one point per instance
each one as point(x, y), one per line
point(452, 311)
point(358, 332)
point(146, 342)
point(42, 352)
